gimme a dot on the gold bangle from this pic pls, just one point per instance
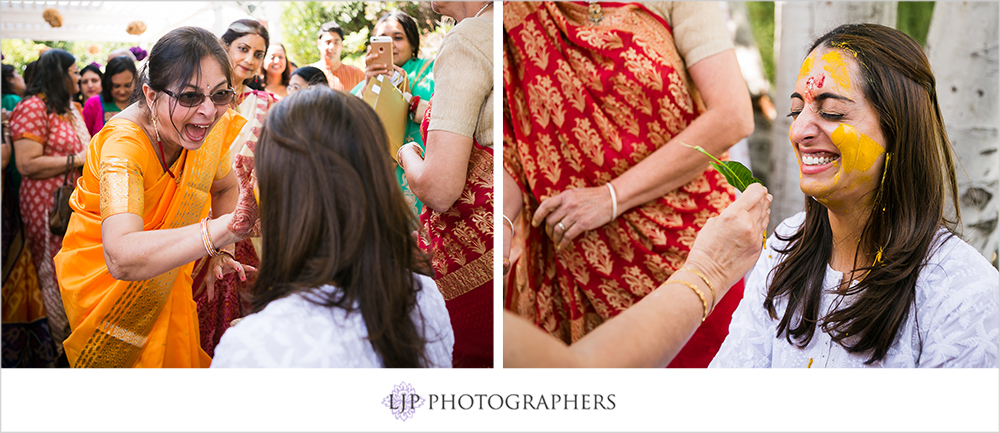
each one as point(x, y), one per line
point(207, 239)
point(707, 283)
point(704, 305)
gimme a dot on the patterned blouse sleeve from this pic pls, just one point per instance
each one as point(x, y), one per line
point(123, 157)
point(30, 120)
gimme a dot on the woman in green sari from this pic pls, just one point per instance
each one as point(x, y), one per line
point(402, 28)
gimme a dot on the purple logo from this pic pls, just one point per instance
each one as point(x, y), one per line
point(403, 401)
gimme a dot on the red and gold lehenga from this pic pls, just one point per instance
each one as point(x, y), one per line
point(584, 103)
point(461, 243)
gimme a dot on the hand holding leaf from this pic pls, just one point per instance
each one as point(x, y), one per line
point(735, 173)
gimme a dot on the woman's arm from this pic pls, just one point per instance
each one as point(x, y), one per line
point(513, 202)
point(133, 254)
point(33, 164)
point(728, 118)
point(439, 178)
point(652, 332)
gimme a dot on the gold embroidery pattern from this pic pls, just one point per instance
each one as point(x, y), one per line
point(121, 187)
point(547, 101)
point(621, 116)
point(534, 45)
point(570, 85)
point(579, 62)
point(470, 276)
point(643, 70)
point(588, 140)
point(547, 159)
point(602, 40)
point(596, 252)
point(632, 93)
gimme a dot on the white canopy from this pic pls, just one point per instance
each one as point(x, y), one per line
point(105, 21)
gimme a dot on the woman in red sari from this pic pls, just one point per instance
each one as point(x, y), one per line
point(455, 179)
point(600, 100)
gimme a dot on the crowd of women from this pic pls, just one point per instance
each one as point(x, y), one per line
point(225, 204)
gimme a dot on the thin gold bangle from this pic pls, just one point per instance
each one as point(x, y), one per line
point(707, 283)
point(704, 305)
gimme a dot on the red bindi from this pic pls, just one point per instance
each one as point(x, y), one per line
point(814, 83)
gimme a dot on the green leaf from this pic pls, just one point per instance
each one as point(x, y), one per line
point(735, 173)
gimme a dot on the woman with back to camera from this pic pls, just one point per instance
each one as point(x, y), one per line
point(871, 274)
point(116, 92)
point(405, 35)
point(246, 42)
point(141, 212)
point(276, 71)
point(342, 283)
point(49, 144)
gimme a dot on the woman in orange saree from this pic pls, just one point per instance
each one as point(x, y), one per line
point(125, 265)
point(600, 100)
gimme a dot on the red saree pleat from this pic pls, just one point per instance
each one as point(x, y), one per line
point(583, 105)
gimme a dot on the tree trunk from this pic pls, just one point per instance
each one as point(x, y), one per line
point(962, 48)
point(796, 25)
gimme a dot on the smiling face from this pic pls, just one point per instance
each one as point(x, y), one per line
point(188, 126)
point(90, 84)
point(402, 51)
point(835, 132)
point(121, 86)
point(330, 45)
point(247, 55)
point(276, 60)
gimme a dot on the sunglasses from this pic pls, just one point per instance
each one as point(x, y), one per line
point(194, 99)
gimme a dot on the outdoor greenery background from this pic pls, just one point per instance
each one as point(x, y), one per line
point(300, 21)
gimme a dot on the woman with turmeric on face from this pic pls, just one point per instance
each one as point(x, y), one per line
point(871, 273)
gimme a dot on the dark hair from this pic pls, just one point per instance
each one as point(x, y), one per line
point(50, 78)
point(176, 58)
point(409, 26)
point(285, 75)
point(312, 75)
point(8, 74)
point(330, 27)
point(907, 211)
point(29, 73)
point(338, 218)
point(116, 66)
point(78, 97)
point(239, 29)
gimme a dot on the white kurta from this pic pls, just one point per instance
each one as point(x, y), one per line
point(957, 303)
point(294, 332)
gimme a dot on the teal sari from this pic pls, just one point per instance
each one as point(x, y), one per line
point(422, 86)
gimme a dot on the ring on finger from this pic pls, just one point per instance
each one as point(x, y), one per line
point(562, 228)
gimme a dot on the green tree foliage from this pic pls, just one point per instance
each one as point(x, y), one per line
point(20, 52)
point(761, 15)
point(914, 19)
point(301, 21)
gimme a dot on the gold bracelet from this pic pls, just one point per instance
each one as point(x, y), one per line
point(707, 283)
point(704, 305)
point(207, 239)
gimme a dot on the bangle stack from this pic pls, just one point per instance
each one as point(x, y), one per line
point(207, 239)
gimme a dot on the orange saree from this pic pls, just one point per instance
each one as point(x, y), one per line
point(584, 104)
point(151, 323)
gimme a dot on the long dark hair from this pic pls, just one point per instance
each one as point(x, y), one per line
point(338, 218)
point(176, 58)
point(409, 26)
point(116, 66)
point(907, 211)
point(51, 78)
point(239, 29)
point(285, 74)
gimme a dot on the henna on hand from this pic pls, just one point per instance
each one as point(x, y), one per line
point(245, 222)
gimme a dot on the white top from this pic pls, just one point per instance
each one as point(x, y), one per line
point(957, 297)
point(294, 332)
